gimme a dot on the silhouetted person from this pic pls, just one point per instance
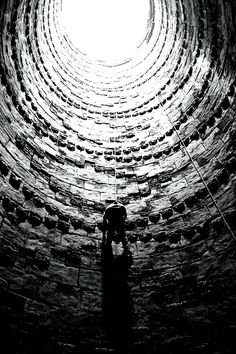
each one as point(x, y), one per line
point(117, 302)
point(114, 224)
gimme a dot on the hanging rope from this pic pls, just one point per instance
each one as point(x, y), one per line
point(198, 172)
point(115, 157)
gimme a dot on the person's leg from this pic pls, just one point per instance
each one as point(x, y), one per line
point(123, 238)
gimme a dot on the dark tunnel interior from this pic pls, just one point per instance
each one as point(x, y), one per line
point(152, 127)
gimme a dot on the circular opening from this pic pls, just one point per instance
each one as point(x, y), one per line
point(106, 30)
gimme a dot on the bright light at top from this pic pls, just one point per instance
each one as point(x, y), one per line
point(108, 30)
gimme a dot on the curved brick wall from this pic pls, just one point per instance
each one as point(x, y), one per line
point(159, 132)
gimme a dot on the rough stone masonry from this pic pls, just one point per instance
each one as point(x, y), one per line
point(158, 131)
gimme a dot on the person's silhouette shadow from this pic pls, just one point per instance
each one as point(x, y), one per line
point(116, 297)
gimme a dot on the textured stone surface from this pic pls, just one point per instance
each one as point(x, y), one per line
point(158, 132)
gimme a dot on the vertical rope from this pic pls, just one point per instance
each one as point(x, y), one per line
point(115, 156)
point(198, 172)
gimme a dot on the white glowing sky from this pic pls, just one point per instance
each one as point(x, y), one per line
point(108, 30)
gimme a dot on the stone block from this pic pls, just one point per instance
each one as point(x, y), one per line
point(194, 136)
point(4, 169)
point(144, 146)
point(128, 159)
point(41, 260)
point(12, 218)
point(28, 193)
point(190, 201)
point(20, 142)
point(202, 128)
point(157, 154)
point(145, 237)
point(132, 238)
point(38, 202)
point(120, 174)
point(203, 229)
point(76, 223)
point(51, 209)
point(213, 186)
point(152, 142)
point(142, 222)
point(161, 138)
point(90, 228)
point(188, 233)
point(144, 190)
point(223, 176)
point(73, 257)
point(154, 217)
point(137, 157)
point(76, 201)
point(166, 214)
point(8, 204)
point(50, 223)
point(15, 181)
point(225, 104)
point(176, 147)
point(175, 237)
point(179, 207)
point(167, 151)
point(127, 151)
point(217, 224)
point(80, 162)
point(130, 225)
point(54, 185)
point(71, 146)
point(63, 226)
point(186, 141)
point(35, 219)
point(160, 236)
point(22, 213)
point(147, 157)
point(165, 176)
point(169, 132)
point(63, 216)
point(201, 193)
point(135, 148)
point(211, 121)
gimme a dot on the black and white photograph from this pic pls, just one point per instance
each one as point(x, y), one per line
point(117, 176)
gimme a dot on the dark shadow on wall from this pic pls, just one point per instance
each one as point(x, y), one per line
point(117, 305)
